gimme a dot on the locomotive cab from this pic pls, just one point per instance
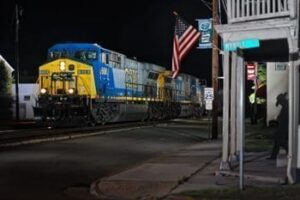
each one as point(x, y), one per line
point(66, 90)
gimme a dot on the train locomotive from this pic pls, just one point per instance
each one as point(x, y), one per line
point(83, 83)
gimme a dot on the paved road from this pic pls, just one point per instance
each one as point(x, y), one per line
point(45, 171)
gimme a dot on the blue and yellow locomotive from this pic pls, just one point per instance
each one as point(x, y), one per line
point(85, 83)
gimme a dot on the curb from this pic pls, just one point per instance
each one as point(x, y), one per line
point(253, 177)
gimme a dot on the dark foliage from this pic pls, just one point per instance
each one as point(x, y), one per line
point(5, 96)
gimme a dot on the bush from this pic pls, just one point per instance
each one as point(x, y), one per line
point(5, 107)
point(5, 92)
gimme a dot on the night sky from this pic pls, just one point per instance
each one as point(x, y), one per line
point(142, 29)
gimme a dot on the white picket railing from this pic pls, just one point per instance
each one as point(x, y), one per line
point(250, 10)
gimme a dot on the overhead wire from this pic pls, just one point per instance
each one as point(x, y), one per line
point(206, 4)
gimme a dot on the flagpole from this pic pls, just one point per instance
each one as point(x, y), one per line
point(215, 70)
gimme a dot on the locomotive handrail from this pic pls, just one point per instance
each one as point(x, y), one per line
point(171, 94)
point(152, 95)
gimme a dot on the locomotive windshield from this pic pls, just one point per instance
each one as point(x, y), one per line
point(86, 55)
point(52, 55)
point(83, 55)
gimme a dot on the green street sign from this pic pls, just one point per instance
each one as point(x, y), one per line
point(242, 44)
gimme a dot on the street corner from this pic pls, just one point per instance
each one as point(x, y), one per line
point(147, 180)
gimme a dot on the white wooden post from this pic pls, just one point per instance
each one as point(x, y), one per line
point(224, 164)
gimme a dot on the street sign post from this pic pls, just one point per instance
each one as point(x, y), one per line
point(241, 44)
point(209, 97)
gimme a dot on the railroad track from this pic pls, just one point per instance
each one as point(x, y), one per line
point(12, 138)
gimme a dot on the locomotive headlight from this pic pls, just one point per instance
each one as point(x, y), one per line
point(71, 91)
point(62, 66)
point(43, 91)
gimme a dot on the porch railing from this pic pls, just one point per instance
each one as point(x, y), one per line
point(251, 10)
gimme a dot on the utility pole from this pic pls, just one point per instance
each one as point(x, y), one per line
point(17, 62)
point(215, 69)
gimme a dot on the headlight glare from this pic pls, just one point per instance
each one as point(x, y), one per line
point(62, 66)
point(71, 91)
point(43, 91)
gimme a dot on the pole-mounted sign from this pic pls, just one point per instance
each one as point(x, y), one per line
point(205, 28)
point(241, 44)
point(208, 97)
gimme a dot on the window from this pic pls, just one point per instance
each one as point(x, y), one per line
point(153, 75)
point(80, 55)
point(91, 55)
point(105, 58)
point(52, 55)
point(86, 55)
point(114, 60)
point(27, 98)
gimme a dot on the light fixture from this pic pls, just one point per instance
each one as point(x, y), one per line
point(62, 66)
point(71, 91)
point(71, 67)
point(43, 90)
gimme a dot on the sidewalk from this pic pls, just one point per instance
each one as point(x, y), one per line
point(193, 168)
point(258, 172)
point(158, 177)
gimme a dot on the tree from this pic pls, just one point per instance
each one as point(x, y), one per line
point(5, 92)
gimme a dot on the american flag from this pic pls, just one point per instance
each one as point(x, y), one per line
point(185, 36)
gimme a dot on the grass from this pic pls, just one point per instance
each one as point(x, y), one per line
point(258, 144)
point(258, 138)
point(251, 193)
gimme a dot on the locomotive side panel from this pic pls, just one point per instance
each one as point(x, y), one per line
point(111, 81)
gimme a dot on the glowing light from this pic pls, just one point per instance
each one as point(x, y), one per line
point(71, 91)
point(62, 66)
point(43, 91)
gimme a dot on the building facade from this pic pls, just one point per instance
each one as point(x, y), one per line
point(273, 27)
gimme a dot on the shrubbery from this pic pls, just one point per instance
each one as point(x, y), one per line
point(5, 93)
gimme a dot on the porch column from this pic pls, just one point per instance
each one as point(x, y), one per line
point(240, 120)
point(233, 94)
point(224, 163)
point(293, 145)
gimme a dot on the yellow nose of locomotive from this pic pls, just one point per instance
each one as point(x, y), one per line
point(67, 77)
